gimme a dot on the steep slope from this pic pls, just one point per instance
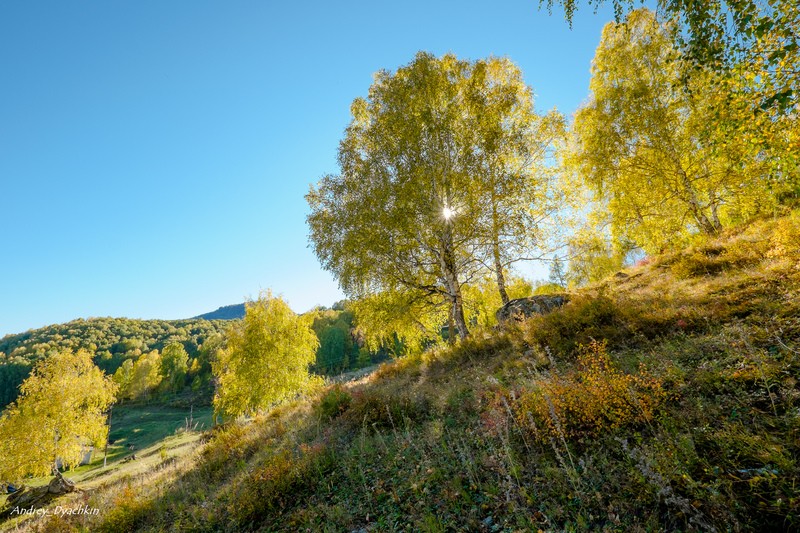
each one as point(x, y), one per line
point(664, 398)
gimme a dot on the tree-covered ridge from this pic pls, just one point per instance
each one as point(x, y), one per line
point(110, 340)
point(227, 312)
point(110, 336)
point(121, 346)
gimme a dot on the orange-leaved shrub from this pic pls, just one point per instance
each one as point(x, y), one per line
point(594, 397)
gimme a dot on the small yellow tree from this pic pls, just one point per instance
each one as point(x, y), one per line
point(174, 365)
point(266, 359)
point(60, 411)
point(146, 375)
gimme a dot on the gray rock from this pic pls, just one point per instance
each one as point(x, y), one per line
point(60, 485)
point(39, 496)
point(523, 308)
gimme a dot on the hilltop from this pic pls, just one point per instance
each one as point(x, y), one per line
point(662, 398)
point(227, 312)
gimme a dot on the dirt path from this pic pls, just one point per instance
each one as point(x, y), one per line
point(355, 374)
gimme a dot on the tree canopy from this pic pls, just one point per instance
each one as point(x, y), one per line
point(60, 412)
point(643, 143)
point(751, 47)
point(762, 36)
point(266, 359)
point(438, 183)
point(174, 365)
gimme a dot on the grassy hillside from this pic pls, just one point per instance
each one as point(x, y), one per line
point(143, 437)
point(665, 398)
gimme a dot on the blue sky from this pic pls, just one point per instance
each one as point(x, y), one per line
point(154, 155)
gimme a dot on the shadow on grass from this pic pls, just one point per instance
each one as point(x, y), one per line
point(137, 427)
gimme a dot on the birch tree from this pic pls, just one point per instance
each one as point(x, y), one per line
point(266, 359)
point(59, 413)
point(643, 144)
point(435, 173)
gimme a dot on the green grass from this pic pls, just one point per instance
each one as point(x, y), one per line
point(143, 426)
point(158, 435)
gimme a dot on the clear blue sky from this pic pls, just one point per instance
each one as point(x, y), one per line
point(154, 155)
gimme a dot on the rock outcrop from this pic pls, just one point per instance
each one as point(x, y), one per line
point(37, 497)
point(523, 308)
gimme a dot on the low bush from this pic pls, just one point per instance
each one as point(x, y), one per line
point(334, 402)
point(699, 263)
point(379, 408)
point(785, 239)
point(578, 322)
point(230, 445)
point(277, 485)
point(129, 513)
point(589, 400)
point(623, 322)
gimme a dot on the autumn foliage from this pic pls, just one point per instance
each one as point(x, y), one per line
point(59, 414)
point(595, 397)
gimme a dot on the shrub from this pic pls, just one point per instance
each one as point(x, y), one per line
point(594, 398)
point(228, 445)
point(624, 322)
point(711, 260)
point(268, 490)
point(785, 240)
point(578, 322)
point(702, 262)
point(129, 512)
point(384, 409)
point(334, 402)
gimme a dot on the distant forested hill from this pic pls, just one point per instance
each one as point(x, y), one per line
point(111, 340)
point(228, 312)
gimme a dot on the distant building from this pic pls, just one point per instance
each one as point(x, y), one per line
point(85, 460)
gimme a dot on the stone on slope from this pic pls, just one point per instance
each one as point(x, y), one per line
point(523, 308)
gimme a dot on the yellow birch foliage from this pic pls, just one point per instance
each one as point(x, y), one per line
point(266, 359)
point(650, 146)
point(60, 411)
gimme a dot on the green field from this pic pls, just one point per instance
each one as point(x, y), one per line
point(147, 425)
point(157, 434)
